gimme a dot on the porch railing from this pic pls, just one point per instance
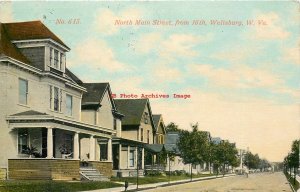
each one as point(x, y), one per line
point(155, 167)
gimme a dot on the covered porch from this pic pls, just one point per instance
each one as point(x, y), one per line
point(128, 157)
point(49, 147)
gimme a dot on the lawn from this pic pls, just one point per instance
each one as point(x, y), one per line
point(53, 186)
point(157, 179)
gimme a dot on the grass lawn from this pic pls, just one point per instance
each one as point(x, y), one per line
point(296, 186)
point(53, 186)
point(157, 179)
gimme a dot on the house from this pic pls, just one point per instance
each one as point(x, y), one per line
point(137, 130)
point(160, 129)
point(154, 153)
point(45, 128)
point(177, 164)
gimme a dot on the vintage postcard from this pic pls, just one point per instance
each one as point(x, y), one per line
point(149, 95)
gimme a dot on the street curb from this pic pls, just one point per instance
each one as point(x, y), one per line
point(164, 184)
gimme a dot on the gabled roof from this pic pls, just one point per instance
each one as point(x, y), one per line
point(133, 109)
point(30, 112)
point(31, 30)
point(9, 49)
point(95, 93)
point(157, 119)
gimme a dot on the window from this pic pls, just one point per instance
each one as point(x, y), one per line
point(69, 105)
point(22, 140)
point(56, 99)
point(23, 91)
point(103, 152)
point(146, 118)
point(55, 64)
point(148, 136)
point(51, 56)
point(51, 96)
point(57, 59)
point(61, 61)
point(142, 134)
point(131, 158)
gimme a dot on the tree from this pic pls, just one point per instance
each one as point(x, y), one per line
point(193, 146)
point(224, 153)
point(251, 161)
point(172, 127)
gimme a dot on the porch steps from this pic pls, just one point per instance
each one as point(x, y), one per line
point(89, 173)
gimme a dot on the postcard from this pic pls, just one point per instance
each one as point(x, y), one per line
point(148, 94)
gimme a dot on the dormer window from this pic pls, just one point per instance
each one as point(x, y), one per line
point(57, 59)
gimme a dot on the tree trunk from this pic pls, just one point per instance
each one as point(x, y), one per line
point(191, 171)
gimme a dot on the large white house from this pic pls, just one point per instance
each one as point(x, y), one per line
point(44, 134)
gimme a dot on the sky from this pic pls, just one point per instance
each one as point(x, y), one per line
point(239, 65)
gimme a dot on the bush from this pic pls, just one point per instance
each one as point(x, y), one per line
point(152, 173)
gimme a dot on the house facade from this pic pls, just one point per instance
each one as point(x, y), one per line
point(137, 130)
point(177, 164)
point(44, 134)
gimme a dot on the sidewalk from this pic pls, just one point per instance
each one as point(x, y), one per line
point(162, 184)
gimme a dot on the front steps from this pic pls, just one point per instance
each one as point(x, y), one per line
point(89, 173)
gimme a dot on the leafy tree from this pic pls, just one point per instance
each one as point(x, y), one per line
point(223, 154)
point(172, 127)
point(251, 161)
point(193, 146)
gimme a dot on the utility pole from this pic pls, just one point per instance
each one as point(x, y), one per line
point(137, 168)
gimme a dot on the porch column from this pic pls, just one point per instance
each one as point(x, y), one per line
point(109, 150)
point(143, 158)
point(120, 156)
point(136, 156)
point(128, 152)
point(49, 143)
point(76, 146)
point(92, 148)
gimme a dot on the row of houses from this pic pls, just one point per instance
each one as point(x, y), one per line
point(55, 126)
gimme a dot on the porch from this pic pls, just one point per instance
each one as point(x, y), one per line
point(53, 148)
point(128, 157)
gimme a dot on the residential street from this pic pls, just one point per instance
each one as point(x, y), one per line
point(262, 182)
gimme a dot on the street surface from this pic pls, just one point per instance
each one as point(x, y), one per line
point(262, 182)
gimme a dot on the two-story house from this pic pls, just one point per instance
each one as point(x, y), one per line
point(137, 130)
point(42, 135)
point(154, 153)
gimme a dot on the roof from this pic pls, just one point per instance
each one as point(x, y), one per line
point(31, 30)
point(172, 138)
point(9, 49)
point(95, 92)
point(154, 148)
point(28, 113)
point(22, 31)
point(216, 140)
point(133, 110)
point(73, 76)
point(157, 118)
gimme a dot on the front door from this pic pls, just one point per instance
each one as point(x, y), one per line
point(115, 153)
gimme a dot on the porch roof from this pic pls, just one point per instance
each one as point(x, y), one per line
point(127, 141)
point(35, 119)
point(157, 148)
